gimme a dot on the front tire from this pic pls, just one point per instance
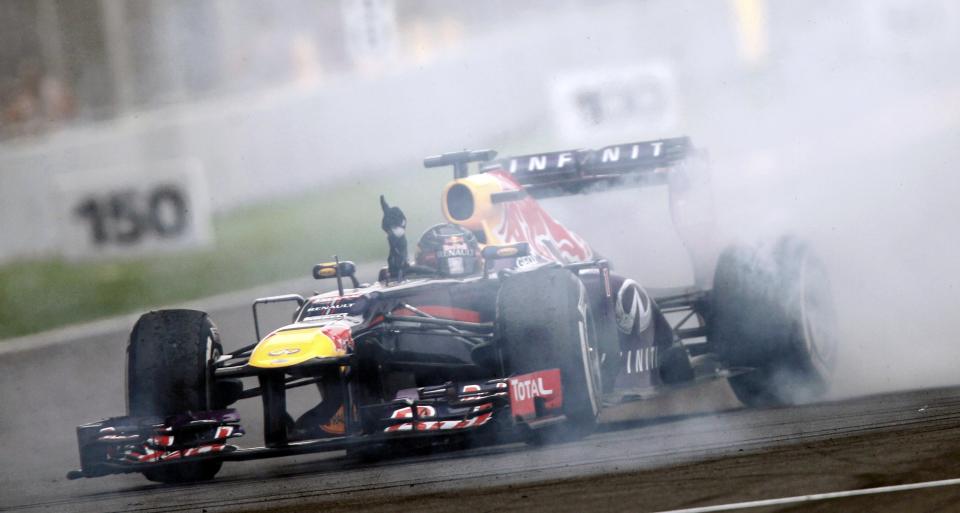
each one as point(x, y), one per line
point(545, 322)
point(169, 371)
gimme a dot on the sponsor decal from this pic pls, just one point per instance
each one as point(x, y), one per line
point(525, 221)
point(454, 246)
point(340, 334)
point(641, 360)
point(573, 161)
point(633, 308)
point(326, 307)
point(555, 161)
point(435, 425)
point(423, 411)
point(146, 455)
point(482, 407)
point(281, 352)
point(526, 388)
point(526, 261)
point(161, 447)
point(161, 441)
point(522, 389)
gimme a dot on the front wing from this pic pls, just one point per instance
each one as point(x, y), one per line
point(134, 444)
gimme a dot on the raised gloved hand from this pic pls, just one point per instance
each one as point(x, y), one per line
point(394, 223)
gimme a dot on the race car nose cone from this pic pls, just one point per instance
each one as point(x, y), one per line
point(291, 347)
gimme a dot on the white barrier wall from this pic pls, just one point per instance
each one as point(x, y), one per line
point(495, 87)
point(492, 88)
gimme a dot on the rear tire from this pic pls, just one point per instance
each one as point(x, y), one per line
point(772, 311)
point(544, 321)
point(169, 371)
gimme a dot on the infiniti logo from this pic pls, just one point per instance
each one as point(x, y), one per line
point(278, 352)
point(639, 313)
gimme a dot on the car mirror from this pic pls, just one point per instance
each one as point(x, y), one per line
point(329, 270)
point(338, 270)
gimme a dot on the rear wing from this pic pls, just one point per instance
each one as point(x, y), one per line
point(567, 172)
point(479, 201)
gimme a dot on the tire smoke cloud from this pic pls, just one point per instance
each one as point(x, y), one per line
point(852, 149)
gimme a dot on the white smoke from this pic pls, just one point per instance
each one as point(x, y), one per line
point(859, 164)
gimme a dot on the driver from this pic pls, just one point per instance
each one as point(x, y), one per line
point(448, 250)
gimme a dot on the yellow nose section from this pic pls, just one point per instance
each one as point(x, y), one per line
point(292, 347)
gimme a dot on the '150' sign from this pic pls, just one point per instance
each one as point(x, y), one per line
point(132, 211)
point(127, 216)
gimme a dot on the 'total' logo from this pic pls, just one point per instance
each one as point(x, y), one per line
point(529, 388)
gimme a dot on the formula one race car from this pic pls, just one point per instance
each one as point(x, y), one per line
point(506, 324)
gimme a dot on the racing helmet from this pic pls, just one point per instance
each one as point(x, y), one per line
point(448, 249)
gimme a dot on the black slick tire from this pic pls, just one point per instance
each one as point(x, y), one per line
point(169, 362)
point(544, 322)
point(772, 312)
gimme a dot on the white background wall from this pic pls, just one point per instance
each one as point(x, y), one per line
point(491, 89)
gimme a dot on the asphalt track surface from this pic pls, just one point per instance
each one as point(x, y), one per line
point(694, 447)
